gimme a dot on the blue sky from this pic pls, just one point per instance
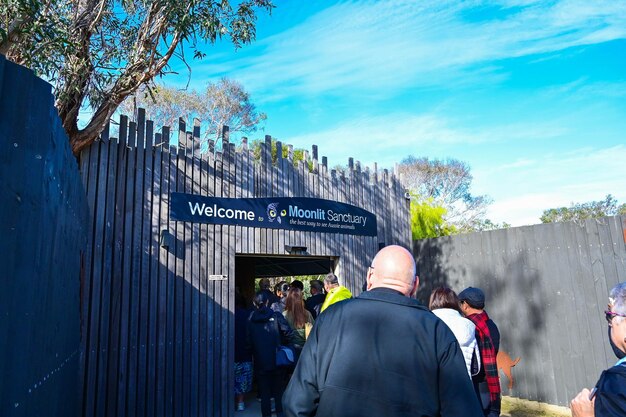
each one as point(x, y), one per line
point(531, 94)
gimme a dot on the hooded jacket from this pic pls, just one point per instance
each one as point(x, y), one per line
point(266, 330)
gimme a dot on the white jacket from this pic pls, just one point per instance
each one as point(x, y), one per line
point(464, 331)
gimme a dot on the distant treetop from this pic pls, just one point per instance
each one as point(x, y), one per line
point(579, 212)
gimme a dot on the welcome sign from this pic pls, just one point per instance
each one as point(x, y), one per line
point(306, 214)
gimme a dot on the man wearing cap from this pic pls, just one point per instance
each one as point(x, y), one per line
point(487, 381)
point(334, 291)
point(382, 354)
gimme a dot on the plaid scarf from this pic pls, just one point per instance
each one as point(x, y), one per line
point(487, 354)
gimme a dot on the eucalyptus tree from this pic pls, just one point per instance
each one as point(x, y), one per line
point(219, 104)
point(98, 52)
point(579, 212)
point(446, 184)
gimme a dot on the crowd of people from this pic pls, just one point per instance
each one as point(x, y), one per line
point(351, 356)
point(277, 318)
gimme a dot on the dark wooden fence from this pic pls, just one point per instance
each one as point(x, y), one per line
point(158, 321)
point(546, 287)
point(43, 228)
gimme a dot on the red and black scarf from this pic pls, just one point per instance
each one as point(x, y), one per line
point(487, 353)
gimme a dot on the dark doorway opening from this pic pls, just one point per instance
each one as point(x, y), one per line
point(249, 268)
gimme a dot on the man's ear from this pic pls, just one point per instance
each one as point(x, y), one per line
point(369, 278)
point(416, 284)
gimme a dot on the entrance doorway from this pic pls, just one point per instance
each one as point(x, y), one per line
point(249, 268)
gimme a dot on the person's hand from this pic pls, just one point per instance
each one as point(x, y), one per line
point(581, 406)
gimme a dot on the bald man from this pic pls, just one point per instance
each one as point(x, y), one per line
point(382, 354)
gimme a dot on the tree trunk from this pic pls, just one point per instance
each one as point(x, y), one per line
point(81, 139)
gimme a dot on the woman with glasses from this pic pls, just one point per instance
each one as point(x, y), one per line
point(608, 398)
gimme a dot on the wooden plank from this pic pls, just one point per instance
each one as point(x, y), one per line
point(180, 384)
point(171, 380)
point(291, 183)
point(316, 237)
point(581, 314)
point(614, 251)
point(497, 254)
point(92, 347)
point(244, 174)
point(239, 184)
point(117, 189)
point(105, 293)
point(187, 263)
point(98, 158)
point(551, 327)
point(135, 273)
point(273, 182)
point(157, 359)
point(195, 271)
point(222, 296)
point(594, 308)
point(348, 265)
point(618, 236)
point(203, 301)
point(211, 305)
point(125, 344)
point(228, 295)
point(217, 311)
point(568, 329)
point(266, 186)
point(599, 281)
point(159, 261)
point(150, 238)
point(279, 180)
point(141, 242)
point(356, 267)
point(372, 242)
point(521, 284)
point(173, 364)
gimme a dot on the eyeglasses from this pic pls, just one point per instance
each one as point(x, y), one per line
point(609, 315)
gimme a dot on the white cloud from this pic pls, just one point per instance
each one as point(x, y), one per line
point(522, 192)
point(372, 45)
point(389, 138)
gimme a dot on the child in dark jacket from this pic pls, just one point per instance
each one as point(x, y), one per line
point(267, 330)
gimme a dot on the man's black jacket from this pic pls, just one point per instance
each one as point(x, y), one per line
point(381, 354)
point(314, 303)
point(611, 395)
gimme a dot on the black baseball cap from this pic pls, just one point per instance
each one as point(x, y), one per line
point(475, 297)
